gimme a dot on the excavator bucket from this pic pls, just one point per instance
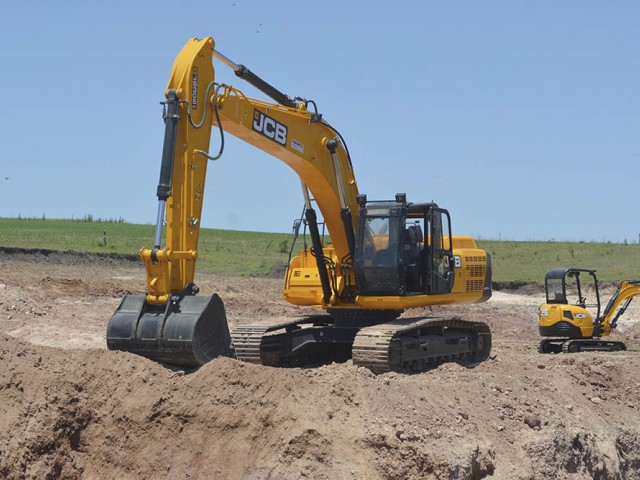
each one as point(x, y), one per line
point(188, 331)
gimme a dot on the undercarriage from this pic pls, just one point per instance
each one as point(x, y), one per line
point(575, 345)
point(401, 345)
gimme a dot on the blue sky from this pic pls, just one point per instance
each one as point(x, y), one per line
point(520, 117)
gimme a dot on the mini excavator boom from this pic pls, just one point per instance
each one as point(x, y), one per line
point(378, 264)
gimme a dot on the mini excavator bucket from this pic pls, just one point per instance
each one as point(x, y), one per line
point(189, 331)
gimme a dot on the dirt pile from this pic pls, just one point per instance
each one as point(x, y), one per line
point(71, 409)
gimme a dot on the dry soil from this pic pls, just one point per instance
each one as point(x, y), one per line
point(69, 408)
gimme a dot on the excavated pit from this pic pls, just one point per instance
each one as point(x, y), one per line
point(71, 409)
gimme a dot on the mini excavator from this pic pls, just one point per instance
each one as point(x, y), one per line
point(383, 256)
point(573, 327)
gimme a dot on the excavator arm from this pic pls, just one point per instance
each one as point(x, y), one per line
point(170, 323)
point(182, 174)
point(617, 305)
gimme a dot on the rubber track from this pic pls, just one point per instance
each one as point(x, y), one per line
point(548, 346)
point(374, 348)
point(594, 345)
point(541, 346)
point(247, 339)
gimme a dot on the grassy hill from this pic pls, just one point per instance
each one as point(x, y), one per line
point(252, 253)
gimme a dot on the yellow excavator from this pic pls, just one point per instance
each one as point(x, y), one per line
point(580, 326)
point(383, 257)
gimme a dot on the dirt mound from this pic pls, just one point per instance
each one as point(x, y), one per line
point(110, 414)
point(71, 409)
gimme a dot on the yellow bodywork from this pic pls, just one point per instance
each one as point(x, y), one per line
point(305, 151)
point(175, 266)
point(550, 314)
point(302, 285)
point(626, 291)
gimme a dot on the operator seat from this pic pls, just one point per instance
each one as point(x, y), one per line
point(412, 249)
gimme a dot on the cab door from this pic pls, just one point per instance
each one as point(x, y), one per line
point(440, 263)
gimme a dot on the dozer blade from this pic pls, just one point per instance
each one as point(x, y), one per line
point(189, 331)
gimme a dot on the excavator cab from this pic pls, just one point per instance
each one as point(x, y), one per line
point(392, 257)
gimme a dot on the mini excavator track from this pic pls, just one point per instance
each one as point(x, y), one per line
point(591, 345)
point(575, 345)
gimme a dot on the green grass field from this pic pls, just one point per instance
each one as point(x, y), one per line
point(222, 251)
point(230, 252)
point(530, 261)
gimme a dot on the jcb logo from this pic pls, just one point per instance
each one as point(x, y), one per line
point(268, 127)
